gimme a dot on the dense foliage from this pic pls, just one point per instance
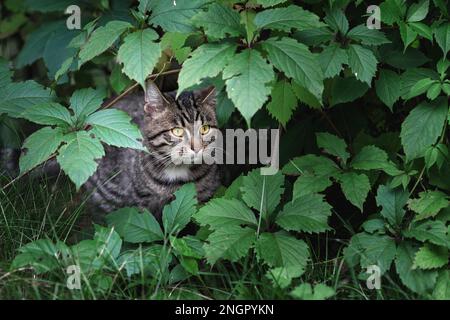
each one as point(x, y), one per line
point(364, 148)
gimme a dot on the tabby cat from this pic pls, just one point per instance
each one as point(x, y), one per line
point(174, 130)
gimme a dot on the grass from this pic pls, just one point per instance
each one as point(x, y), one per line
point(31, 210)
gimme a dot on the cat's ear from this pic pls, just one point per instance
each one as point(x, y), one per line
point(154, 99)
point(206, 96)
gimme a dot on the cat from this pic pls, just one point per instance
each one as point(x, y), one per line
point(174, 129)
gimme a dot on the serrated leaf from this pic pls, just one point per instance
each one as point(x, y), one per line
point(297, 62)
point(19, 96)
point(332, 145)
point(370, 158)
point(39, 146)
point(371, 37)
point(219, 21)
point(431, 257)
point(306, 97)
point(222, 212)
point(418, 11)
point(434, 91)
point(422, 127)
point(283, 102)
point(420, 87)
point(422, 29)
point(175, 16)
point(442, 288)
point(139, 54)
point(392, 202)
point(230, 243)
point(48, 114)
point(208, 60)
point(177, 214)
point(345, 90)
point(113, 127)
point(101, 39)
point(355, 188)
point(363, 63)
point(282, 250)
point(5, 73)
point(388, 87)
point(269, 3)
point(306, 292)
point(332, 59)
point(442, 36)
point(428, 204)
point(432, 231)
point(77, 157)
point(308, 213)
point(407, 34)
point(285, 19)
point(83, 102)
point(419, 281)
point(262, 192)
point(377, 250)
point(337, 20)
point(307, 184)
point(134, 225)
point(176, 42)
point(310, 163)
point(393, 11)
point(247, 81)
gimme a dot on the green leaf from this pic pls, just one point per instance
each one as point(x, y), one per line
point(431, 257)
point(19, 96)
point(434, 91)
point(442, 36)
point(119, 81)
point(113, 127)
point(312, 164)
point(139, 54)
point(39, 146)
point(371, 37)
point(420, 87)
point(337, 20)
point(247, 79)
point(388, 87)
point(269, 3)
point(377, 250)
point(101, 39)
point(332, 59)
point(345, 90)
point(308, 213)
point(48, 114)
point(307, 184)
point(407, 34)
point(5, 73)
point(176, 41)
point(418, 11)
point(135, 226)
point(442, 288)
point(219, 21)
point(109, 243)
point(83, 102)
point(432, 231)
point(262, 193)
point(428, 204)
point(208, 60)
point(370, 158)
point(285, 19)
point(282, 250)
point(392, 202)
point(355, 187)
point(306, 97)
point(363, 63)
point(422, 29)
point(77, 157)
point(230, 243)
point(306, 292)
point(419, 281)
point(332, 145)
point(177, 214)
point(422, 127)
point(222, 212)
point(297, 62)
point(283, 102)
point(175, 16)
point(142, 261)
point(393, 11)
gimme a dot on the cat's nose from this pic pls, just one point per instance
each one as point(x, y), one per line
point(196, 146)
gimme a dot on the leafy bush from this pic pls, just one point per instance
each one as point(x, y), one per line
point(364, 116)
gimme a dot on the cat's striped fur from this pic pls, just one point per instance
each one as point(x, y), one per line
point(128, 177)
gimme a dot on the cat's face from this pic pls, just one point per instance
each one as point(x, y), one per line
point(180, 131)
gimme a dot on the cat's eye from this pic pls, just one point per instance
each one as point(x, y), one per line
point(204, 129)
point(178, 132)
